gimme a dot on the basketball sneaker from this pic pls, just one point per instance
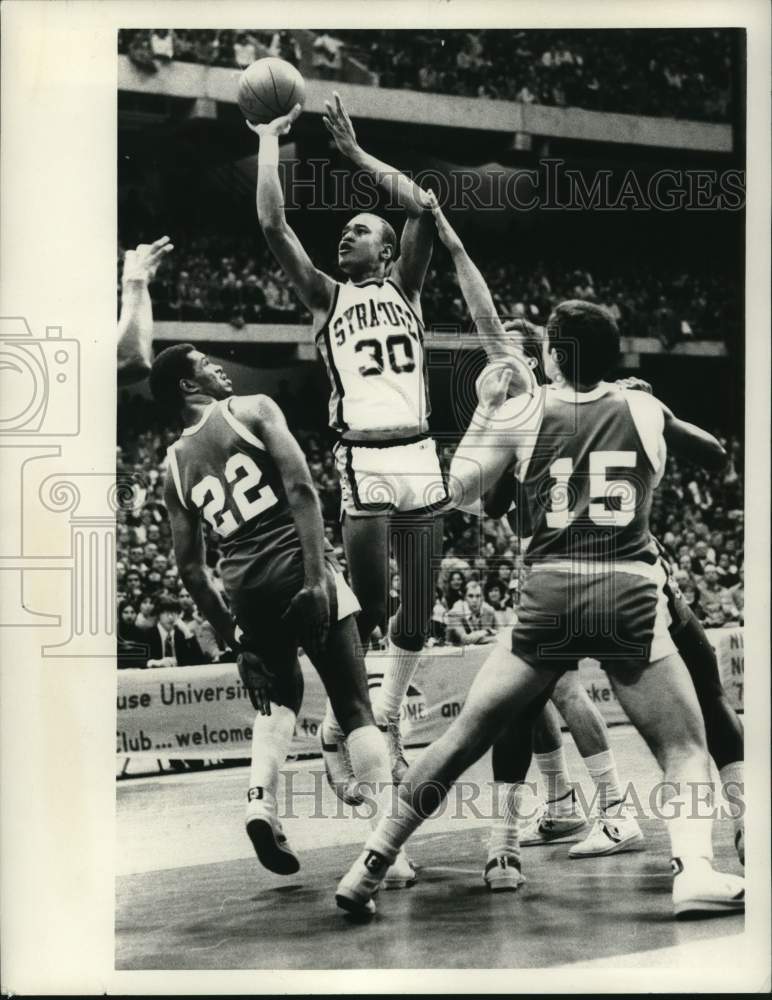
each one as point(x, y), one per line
point(401, 875)
point(613, 832)
point(265, 832)
point(557, 822)
point(502, 873)
point(361, 882)
point(338, 769)
point(392, 732)
point(699, 889)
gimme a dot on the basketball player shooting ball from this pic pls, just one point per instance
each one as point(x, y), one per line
point(369, 331)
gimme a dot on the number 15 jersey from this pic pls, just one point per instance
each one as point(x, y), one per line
point(372, 345)
point(589, 475)
point(223, 472)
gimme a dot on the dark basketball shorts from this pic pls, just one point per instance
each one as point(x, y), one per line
point(615, 615)
point(259, 611)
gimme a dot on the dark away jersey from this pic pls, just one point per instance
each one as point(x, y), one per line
point(223, 472)
point(590, 473)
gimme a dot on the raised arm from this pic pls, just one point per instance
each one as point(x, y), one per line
point(310, 607)
point(417, 240)
point(491, 441)
point(190, 556)
point(135, 323)
point(313, 286)
point(685, 439)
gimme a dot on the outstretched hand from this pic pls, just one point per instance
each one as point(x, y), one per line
point(493, 384)
point(445, 231)
point(632, 382)
point(338, 124)
point(279, 126)
point(142, 263)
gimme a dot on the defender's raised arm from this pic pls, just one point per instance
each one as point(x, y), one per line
point(313, 286)
point(135, 324)
point(416, 242)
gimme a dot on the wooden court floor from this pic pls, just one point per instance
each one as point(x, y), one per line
point(191, 895)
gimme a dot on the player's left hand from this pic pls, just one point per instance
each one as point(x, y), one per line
point(257, 679)
point(309, 611)
point(339, 125)
point(493, 384)
point(142, 263)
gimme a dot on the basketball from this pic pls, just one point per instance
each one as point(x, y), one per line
point(269, 88)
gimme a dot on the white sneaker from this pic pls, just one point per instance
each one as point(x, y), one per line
point(552, 826)
point(502, 873)
point(401, 875)
point(268, 838)
point(610, 834)
point(698, 888)
point(361, 882)
point(338, 769)
point(390, 729)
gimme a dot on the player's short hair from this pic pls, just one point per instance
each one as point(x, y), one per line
point(170, 365)
point(388, 236)
point(586, 339)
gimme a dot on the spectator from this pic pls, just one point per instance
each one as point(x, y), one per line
point(470, 621)
point(166, 643)
point(129, 650)
point(710, 589)
point(244, 50)
point(327, 58)
point(162, 45)
point(504, 614)
point(454, 591)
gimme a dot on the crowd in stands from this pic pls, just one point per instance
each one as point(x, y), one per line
point(673, 73)
point(237, 281)
point(680, 74)
point(697, 516)
point(149, 49)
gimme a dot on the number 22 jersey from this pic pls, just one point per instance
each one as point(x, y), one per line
point(222, 471)
point(372, 345)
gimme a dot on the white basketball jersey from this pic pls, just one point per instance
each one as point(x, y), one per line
point(372, 344)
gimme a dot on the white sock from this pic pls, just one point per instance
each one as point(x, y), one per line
point(271, 739)
point(397, 674)
point(603, 771)
point(370, 763)
point(690, 828)
point(554, 771)
point(505, 832)
point(330, 725)
point(393, 830)
point(733, 783)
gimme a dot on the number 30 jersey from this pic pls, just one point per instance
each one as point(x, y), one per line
point(222, 471)
point(589, 475)
point(372, 345)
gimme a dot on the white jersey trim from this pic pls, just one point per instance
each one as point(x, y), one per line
point(238, 427)
point(204, 417)
point(649, 421)
point(171, 454)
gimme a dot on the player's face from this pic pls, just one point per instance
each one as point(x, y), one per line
point(360, 249)
point(210, 376)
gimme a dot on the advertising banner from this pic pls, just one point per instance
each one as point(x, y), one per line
point(205, 712)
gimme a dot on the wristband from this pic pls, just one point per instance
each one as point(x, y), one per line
point(268, 154)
